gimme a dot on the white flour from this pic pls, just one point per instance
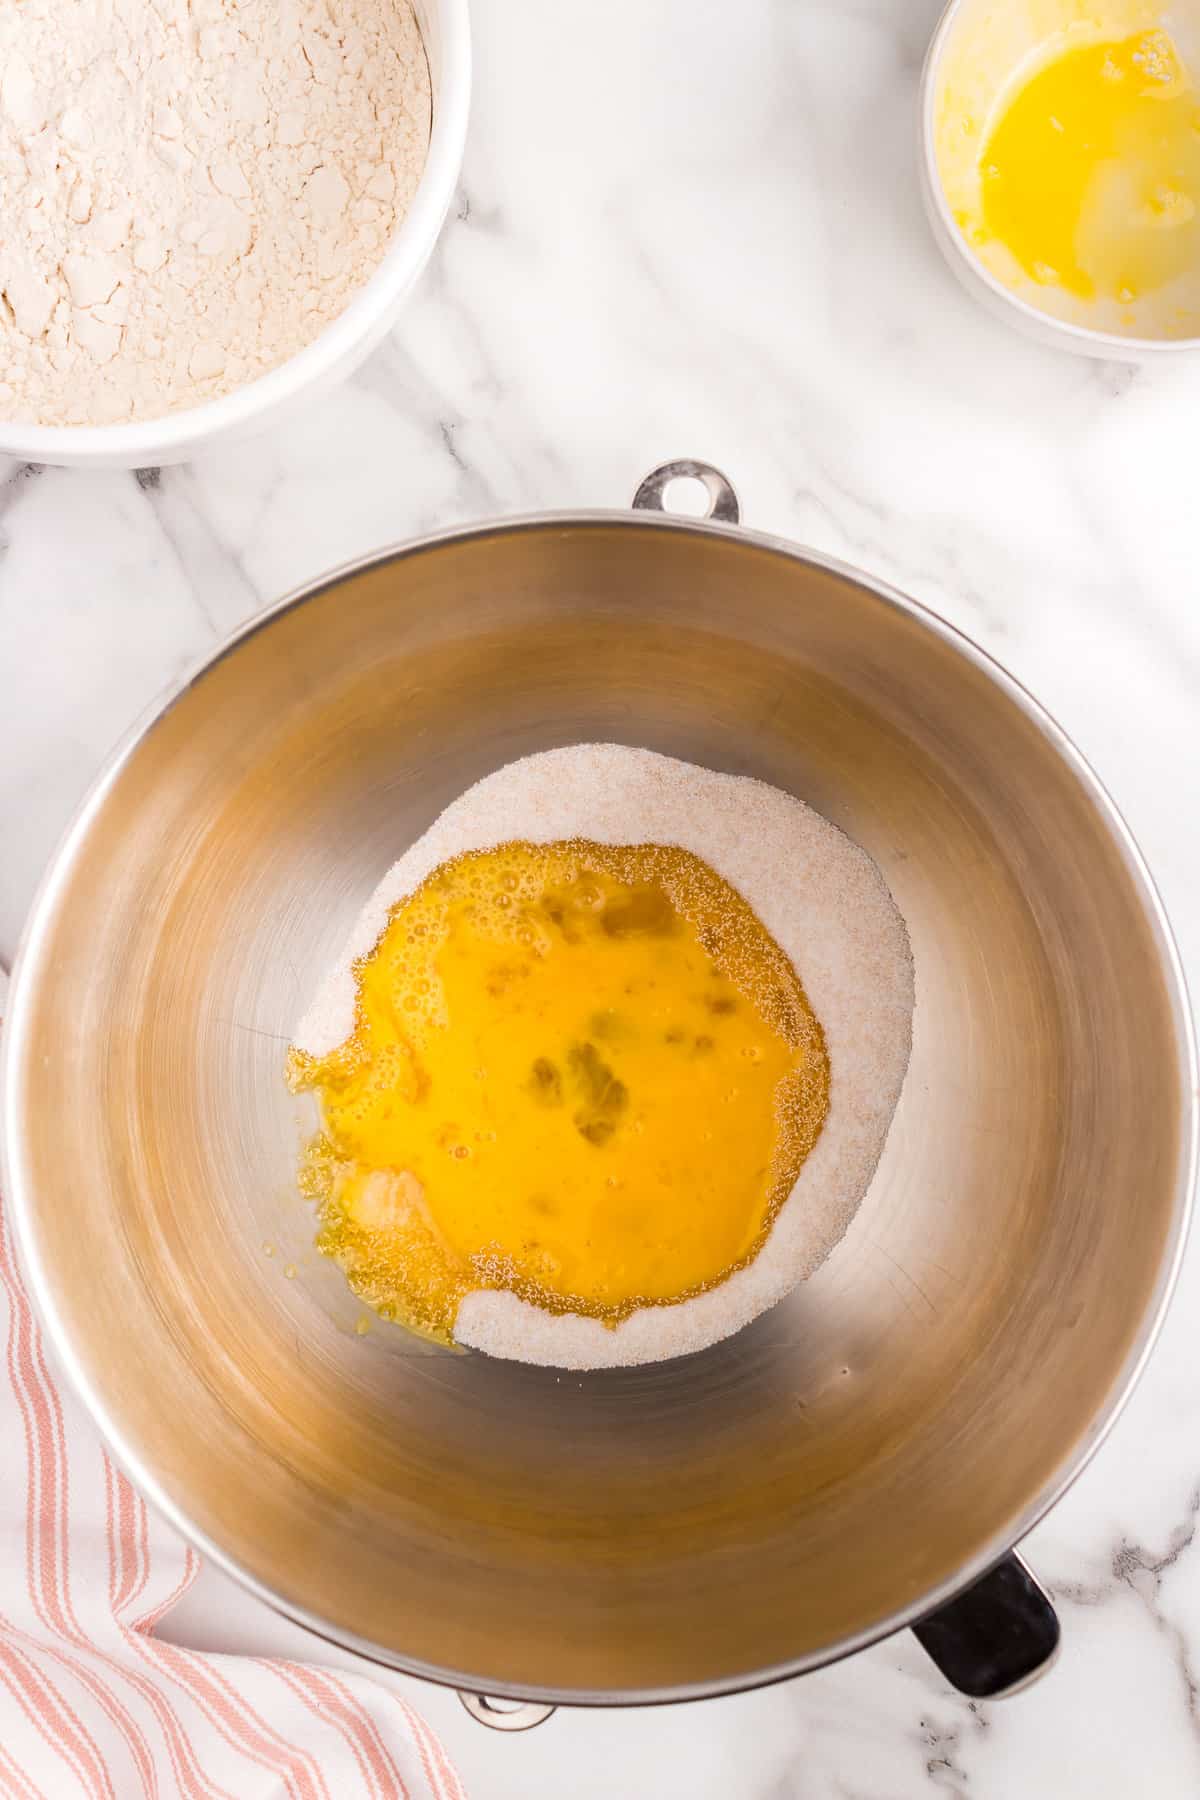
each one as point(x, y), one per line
point(190, 190)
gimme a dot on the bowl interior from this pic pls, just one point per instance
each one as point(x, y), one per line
point(982, 52)
point(668, 1530)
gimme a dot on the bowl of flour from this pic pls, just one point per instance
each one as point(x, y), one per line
point(211, 207)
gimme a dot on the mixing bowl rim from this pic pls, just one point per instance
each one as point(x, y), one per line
point(18, 1180)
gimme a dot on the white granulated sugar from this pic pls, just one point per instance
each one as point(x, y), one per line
point(826, 905)
point(191, 190)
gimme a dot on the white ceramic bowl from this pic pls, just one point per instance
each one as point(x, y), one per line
point(977, 49)
point(343, 344)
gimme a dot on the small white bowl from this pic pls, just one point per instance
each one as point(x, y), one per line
point(343, 344)
point(977, 49)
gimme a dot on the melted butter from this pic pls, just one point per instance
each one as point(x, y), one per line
point(585, 1074)
point(1091, 175)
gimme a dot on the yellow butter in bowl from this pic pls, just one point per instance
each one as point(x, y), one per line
point(1090, 174)
point(1062, 167)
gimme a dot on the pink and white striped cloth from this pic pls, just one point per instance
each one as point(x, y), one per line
point(94, 1706)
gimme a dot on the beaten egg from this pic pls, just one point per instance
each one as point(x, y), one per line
point(582, 1073)
point(607, 1061)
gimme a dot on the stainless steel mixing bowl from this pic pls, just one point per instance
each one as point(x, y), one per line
point(841, 1467)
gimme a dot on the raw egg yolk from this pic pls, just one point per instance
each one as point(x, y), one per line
point(1091, 174)
point(582, 1073)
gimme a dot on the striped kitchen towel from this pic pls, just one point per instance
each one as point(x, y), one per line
point(93, 1705)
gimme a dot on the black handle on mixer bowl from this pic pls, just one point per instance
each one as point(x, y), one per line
point(996, 1636)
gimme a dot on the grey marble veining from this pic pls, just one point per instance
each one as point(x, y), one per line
point(694, 230)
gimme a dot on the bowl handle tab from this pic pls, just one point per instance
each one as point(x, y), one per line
point(722, 502)
point(996, 1636)
point(505, 1715)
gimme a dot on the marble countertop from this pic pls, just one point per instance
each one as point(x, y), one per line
point(691, 229)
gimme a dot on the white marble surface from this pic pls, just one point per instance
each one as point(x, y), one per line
point(693, 229)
